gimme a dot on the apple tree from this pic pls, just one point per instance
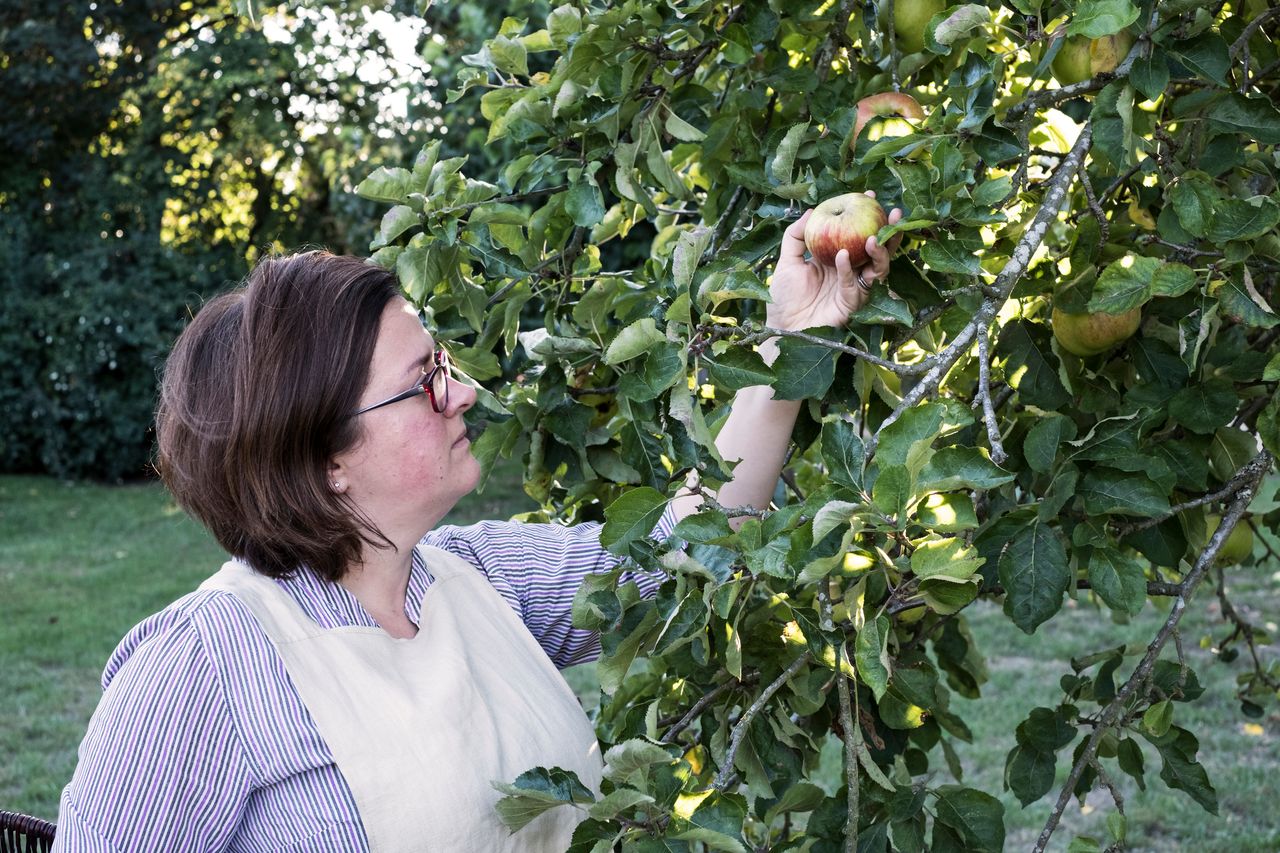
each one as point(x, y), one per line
point(1067, 388)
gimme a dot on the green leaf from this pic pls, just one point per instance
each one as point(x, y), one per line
point(1178, 749)
point(1097, 18)
point(1129, 757)
point(537, 790)
point(952, 256)
point(706, 527)
point(784, 158)
point(509, 55)
point(395, 222)
point(1031, 366)
point(947, 513)
point(1204, 407)
point(947, 595)
point(961, 468)
point(738, 368)
point(834, 514)
point(1206, 55)
point(1256, 118)
point(1035, 575)
point(952, 558)
point(977, 816)
point(1109, 492)
point(1118, 579)
point(690, 245)
point(1029, 773)
point(624, 760)
point(391, 185)
point(1157, 719)
point(584, 203)
point(960, 21)
point(892, 491)
point(1243, 219)
point(842, 453)
point(1241, 301)
point(621, 800)
point(903, 441)
point(1040, 448)
point(631, 517)
point(634, 340)
point(871, 655)
point(563, 23)
point(1124, 285)
point(1150, 74)
point(1172, 280)
point(681, 129)
point(803, 370)
point(800, 797)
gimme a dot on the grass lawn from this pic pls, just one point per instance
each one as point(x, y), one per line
point(80, 564)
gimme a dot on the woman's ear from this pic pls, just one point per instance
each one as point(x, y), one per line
point(337, 478)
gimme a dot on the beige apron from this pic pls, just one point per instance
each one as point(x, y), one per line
point(419, 727)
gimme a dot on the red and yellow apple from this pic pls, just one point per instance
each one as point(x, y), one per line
point(909, 20)
point(843, 222)
point(1080, 58)
point(888, 114)
point(1091, 334)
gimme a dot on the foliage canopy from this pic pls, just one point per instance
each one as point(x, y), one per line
point(606, 285)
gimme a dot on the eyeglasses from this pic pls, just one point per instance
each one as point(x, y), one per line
point(435, 384)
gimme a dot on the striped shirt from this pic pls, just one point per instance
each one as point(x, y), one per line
point(200, 741)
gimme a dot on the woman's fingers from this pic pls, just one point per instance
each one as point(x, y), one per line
point(793, 239)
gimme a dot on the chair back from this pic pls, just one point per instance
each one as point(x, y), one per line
point(21, 833)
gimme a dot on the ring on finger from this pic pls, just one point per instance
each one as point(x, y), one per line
point(863, 283)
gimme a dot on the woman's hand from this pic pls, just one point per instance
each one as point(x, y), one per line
point(807, 294)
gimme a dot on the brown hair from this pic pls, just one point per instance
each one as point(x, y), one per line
point(256, 400)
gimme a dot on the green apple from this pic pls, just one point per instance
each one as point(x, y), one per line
point(1080, 58)
point(1091, 334)
point(909, 20)
point(1239, 544)
point(887, 114)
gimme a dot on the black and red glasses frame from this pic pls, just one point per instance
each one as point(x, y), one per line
point(435, 384)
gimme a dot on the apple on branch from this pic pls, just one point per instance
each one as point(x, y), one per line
point(843, 222)
point(896, 112)
point(1080, 58)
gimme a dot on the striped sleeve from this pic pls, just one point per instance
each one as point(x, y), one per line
point(161, 766)
point(538, 568)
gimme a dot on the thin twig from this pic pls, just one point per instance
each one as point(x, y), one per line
point(701, 704)
point(1109, 715)
point(722, 779)
point(754, 336)
point(998, 455)
point(1249, 30)
point(1242, 478)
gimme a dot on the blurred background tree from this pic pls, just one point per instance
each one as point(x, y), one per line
point(149, 153)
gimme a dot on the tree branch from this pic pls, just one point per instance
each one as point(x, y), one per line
point(1052, 97)
point(1240, 43)
point(1016, 267)
point(722, 779)
point(700, 705)
point(836, 38)
point(1247, 473)
point(1140, 675)
point(853, 790)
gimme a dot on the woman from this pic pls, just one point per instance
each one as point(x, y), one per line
point(354, 679)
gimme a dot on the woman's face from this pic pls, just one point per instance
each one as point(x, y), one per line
point(412, 463)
